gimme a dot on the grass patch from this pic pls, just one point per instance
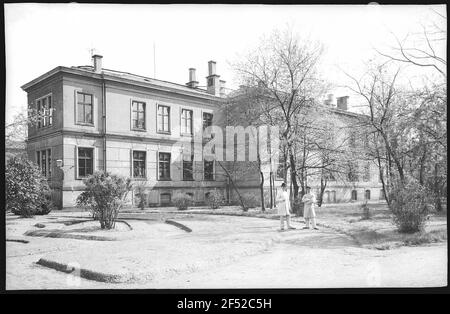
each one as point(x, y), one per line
point(434, 236)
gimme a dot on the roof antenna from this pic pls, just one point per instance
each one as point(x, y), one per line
point(154, 60)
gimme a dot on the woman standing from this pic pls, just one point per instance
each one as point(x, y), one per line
point(284, 207)
point(308, 212)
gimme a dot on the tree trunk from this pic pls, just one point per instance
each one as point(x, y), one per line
point(234, 186)
point(261, 182)
point(323, 186)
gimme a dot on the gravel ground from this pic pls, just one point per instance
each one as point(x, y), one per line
point(220, 252)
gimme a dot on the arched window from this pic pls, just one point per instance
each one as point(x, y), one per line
point(327, 197)
point(354, 195)
point(382, 196)
point(367, 195)
point(333, 196)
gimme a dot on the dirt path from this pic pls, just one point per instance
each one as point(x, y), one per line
point(294, 259)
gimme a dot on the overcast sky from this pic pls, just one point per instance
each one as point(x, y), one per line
point(40, 37)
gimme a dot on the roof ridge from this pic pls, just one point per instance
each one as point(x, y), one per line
point(143, 77)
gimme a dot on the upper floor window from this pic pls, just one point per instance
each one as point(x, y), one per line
point(45, 111)
point(85, 161)
point(207, 119)
point(44, 161)
point(186, 121)
point(352, 174)
point(209, 170)
point(163, 118)
point(139, 158)
point(138, 115)
point(366, 175)
point(164, 166)
point(85, 110)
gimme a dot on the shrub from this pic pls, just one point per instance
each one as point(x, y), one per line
point(182, 201)
point(46, 207)
point(214, 199)
point(104, 195)
point(26, 188)
point(409, 206)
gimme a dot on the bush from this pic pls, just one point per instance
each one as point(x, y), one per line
point(26, 188)
point(45, 207)
point(182, 201)
point(410, 206)
point(214, 199)
point(104, 195)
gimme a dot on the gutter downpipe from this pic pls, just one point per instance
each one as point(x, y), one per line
point(104, 121)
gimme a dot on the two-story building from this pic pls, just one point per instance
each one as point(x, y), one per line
point(99, 119)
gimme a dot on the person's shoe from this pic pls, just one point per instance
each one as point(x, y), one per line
point(305, 228)
point(282, 229)
point(291, 228)
point(316, 228)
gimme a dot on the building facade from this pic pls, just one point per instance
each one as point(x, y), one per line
point(99, 119)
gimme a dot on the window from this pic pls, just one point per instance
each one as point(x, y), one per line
point(164, 166)
point(188, 173)
point(354, 195)
point(367, 194)
point(85, 162)
point(139, 164)
point(166, 198)
point(382, 195)
point(366, 176)
point(329, 176)
point(281, 169)
point(352, 173)
point(43, 160)
point(163, 119)
point(138, 115)
point(186, 121)
point(209, 170)
point(333, 196)
point(45, 111)
point(84, 108)
point(207, 119)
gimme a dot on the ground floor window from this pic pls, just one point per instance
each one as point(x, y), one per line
point(382, 195)
point(367, 194)
point(209, 170)
point(188, 173)
point(85, 162)
point(165, 198)
point(139, 158)
point(44, 162)
point(164, 166)
point(354, 195)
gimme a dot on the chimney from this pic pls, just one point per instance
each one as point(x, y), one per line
point(212, 80)
point(342, 102)
point(193, 83)
point(330, 100)
point(222, 88)
point(97, 60)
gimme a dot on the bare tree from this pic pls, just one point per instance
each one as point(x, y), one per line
point(285, 67)
point(423, 49)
